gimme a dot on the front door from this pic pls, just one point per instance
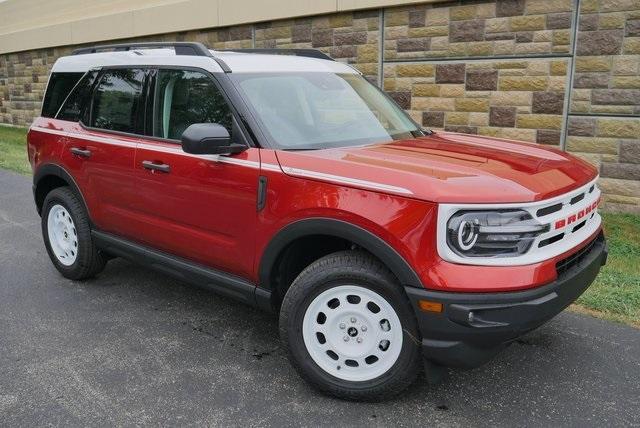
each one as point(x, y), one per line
point(201, 208)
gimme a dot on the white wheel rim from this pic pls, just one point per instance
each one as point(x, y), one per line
point(63, 237)
point(359, 344)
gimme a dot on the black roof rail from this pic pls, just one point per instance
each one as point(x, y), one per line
point(310, 53)
point(181, 48)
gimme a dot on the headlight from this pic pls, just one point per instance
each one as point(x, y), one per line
point(503, 233)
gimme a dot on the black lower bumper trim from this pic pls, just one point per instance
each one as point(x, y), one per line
point(473, 327)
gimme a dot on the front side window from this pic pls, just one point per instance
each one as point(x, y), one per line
point(60, 84)
point(312, 110)
point(182, 98)
point(117, 101)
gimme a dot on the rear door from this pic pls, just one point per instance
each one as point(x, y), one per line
point(198, 207)
point(101, 147)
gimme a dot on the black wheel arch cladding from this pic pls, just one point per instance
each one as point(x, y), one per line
point(47, 171)
point(339, 229)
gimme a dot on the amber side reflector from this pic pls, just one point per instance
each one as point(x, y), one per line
point(428, 306)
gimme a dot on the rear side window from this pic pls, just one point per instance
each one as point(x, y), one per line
point(60, 84)
point(183, 98)
point(117, 102)
point(75, 103)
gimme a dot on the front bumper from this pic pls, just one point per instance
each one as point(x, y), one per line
point(473, 327)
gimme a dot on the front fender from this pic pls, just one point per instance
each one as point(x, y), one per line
point(338, 228)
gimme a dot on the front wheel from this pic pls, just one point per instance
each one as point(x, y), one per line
point(349, 329)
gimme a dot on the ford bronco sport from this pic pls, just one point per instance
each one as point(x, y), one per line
point(288, 181)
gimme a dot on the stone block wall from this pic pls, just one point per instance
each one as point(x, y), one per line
point(607, 64)
point(497, 68)
point(458, 29)
point(558, 72)
point(351, 37)
point(604, 116)
point(518, 99)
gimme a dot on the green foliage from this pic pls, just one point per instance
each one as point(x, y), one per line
point(13, 149)
point(616, 291)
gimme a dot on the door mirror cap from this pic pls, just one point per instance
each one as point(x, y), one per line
point(209, 139)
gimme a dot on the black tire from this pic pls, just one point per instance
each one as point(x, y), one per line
point(360, 269)
point(89, 260)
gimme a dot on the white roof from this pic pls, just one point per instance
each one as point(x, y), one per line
point(237, 61)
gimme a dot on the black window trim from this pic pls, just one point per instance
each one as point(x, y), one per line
point(46, 88)
point(149, 90)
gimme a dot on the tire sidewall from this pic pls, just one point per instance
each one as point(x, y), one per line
point(402, 367)
point(64, 198)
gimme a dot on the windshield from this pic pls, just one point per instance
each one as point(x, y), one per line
point(312, 110)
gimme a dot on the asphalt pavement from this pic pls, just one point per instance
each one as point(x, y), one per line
point(135, 347)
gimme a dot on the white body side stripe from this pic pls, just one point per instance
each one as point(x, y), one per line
point(346, 180)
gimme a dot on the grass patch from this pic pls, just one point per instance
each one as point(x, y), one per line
point(615, 295)
point(13, 149)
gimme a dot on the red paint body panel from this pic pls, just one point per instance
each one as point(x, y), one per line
point(446, 276)
point(205, 210)
point(43, 148)
point(105, 178)
point(455, 168)
point(403, 223)
point(407, 224)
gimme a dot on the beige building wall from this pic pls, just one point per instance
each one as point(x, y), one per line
point(32, 24)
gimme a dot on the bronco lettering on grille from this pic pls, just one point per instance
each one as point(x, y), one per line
point(577, 216)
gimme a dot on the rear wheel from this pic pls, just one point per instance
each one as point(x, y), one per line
point(349, 328)
point(67, 236)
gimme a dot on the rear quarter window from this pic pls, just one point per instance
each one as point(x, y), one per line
point(75, 104)
point(60, 84)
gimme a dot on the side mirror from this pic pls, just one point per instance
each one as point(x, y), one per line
point(209, 139)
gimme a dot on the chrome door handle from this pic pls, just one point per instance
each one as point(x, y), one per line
point(83, 153)
point(153, 166)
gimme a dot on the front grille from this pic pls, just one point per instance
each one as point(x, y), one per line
point(572, 214)
point(559, 206)
point(578, 226)
point(564, 265)
point(551, 240)
point(549, 210)
point(577, 199)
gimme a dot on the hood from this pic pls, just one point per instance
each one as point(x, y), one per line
point(447, 167)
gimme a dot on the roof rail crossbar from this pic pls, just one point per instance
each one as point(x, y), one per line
point(181, 48)
point(310, 53)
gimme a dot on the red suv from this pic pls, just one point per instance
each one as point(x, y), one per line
point(288, 181)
